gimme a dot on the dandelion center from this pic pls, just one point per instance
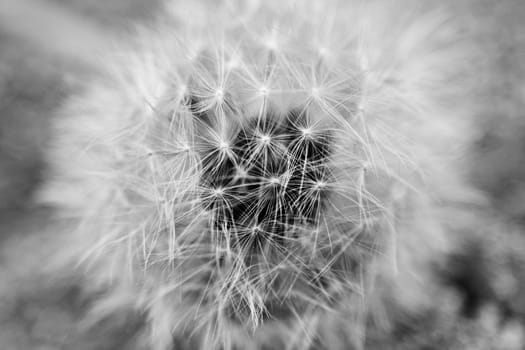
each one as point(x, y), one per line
point(268, 192)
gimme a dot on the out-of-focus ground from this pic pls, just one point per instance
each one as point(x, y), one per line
point(43, 314)
point(488, 272)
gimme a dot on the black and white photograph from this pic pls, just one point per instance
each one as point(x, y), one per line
point(262, 175)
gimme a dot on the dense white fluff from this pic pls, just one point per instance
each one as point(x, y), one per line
point(380, 78)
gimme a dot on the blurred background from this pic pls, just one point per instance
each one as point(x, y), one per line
point(42, 48)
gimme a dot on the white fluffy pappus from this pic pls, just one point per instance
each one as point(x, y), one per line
point(258, 174)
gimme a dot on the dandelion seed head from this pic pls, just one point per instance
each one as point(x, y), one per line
point(316, 93)
point(265, 139)
point(307, 132)
point(224, 145)
point(263, 90)
point(274, 180)
point(252, 206)
point(219, 95)
point(319, 185)
point(218, 192)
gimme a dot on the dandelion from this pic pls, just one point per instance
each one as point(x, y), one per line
point(278, 164)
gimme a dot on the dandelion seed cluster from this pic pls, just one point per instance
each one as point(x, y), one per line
point(248, 171)
point(272, 178)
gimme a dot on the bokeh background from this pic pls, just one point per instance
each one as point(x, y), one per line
point(38, 70)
